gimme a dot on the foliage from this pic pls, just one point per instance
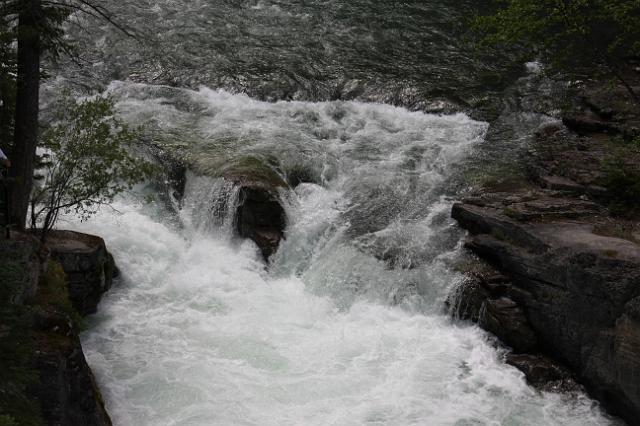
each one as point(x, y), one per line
point(88, 162)
point(7, 421)
point(52, 15)
point(54, 292)
point(19, 339)
point(623, 188)
point(573, 36)
point(7, 83)
point(17, 372)
point(622, 177)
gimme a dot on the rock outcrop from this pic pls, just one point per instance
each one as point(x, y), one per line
point(20, 270)
point(45, 378)
point(66, 388)
point(573, 288)
point(260, 217)
point(88, 265)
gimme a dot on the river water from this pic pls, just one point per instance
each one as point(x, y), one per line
point(346, 325)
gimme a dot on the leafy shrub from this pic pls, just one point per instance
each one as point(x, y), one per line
point(88, 162)
point(570, 35)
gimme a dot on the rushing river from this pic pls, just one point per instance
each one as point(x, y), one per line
point(346, 325)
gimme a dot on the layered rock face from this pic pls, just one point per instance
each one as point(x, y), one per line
point(46, 378)
point(88, 265)
point(572, 289)
point(20, 270)
point(66, 388)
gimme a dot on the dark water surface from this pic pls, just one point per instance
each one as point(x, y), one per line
point(412, 53)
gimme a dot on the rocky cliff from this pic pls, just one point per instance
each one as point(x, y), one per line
point(571, 293)
point(566, 285)
point(44, 377)
point(89, 267)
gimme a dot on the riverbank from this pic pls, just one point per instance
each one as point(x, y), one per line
point(564, 250)
point(45, 379)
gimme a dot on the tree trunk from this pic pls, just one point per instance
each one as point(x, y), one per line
point(27, 107)
point(6, 111)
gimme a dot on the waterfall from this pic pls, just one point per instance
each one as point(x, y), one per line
point(346, 326)
point(210, 204)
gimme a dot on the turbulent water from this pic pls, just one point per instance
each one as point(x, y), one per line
point(346, 325)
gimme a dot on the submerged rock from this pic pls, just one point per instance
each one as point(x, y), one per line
point(89, 267)
point(174, 170)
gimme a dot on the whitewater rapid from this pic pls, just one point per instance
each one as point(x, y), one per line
point(346, 326)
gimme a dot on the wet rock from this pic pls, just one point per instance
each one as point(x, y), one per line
point(507, 321)
point(20, 271)
point(467, 301)
point(579, 291)
point(544, 373)
point(89, 267)
point(174, 169)
point(485, 300)
point(46, 378)
point(585, 123)
point(261, 217)
point(66, 388)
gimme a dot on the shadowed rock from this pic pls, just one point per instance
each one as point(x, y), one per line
point(39, 329)
point(544, 373)
point(20, 269)
point(579, 291)
point(66, 388)
point(260, 217)
point(89, 267)
point(485, 299)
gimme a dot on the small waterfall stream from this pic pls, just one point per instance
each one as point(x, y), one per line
point(210, 205)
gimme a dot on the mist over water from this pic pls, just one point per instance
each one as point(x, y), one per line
point(346, 324)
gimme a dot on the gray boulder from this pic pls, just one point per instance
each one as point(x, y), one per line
point(579, 291)
point(89, 267)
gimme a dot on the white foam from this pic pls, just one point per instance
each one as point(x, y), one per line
point(197, 332)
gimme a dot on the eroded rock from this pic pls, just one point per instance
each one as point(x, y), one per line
point(89, 267)
point(46, 378)
point(66, 388)
point(506, 319)
point(543, 373)
point(579, 290)
point(261, 217)
point(20, 269)
point(485, 299)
